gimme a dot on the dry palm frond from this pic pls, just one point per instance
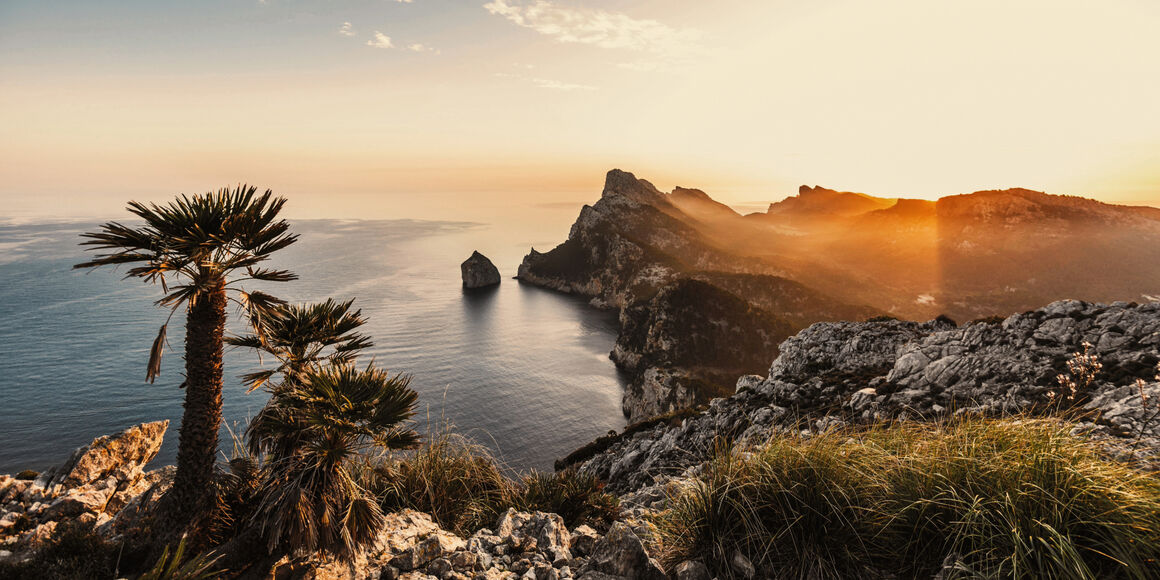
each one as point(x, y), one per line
point(155, 353)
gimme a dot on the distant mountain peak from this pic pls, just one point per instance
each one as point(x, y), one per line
point(819, 201)
point(623, 184)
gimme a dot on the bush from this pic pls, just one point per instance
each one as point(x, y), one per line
point(461, 486)
point(577, 497)
point(27, 474)
point(451, 478)
point(74, 552)
point(991, 498)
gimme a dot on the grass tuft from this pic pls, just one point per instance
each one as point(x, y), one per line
point(972, 498)
point(463, 488)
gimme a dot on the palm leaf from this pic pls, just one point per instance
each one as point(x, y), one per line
point(154, 367)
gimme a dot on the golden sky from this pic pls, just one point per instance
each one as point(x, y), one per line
point(435, 108)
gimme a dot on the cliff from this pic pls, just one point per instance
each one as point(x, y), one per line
point(825, 255)
point(693, 316)
point(833, 374)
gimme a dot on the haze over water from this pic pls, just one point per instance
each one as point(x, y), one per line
point(523, 370)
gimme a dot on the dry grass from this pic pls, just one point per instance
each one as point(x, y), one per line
point(987, 498)
point(464, 488)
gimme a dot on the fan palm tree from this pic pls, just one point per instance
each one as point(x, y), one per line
point(198, 248)
point(313, 435)
point(300, 336)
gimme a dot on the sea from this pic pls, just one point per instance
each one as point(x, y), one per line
point(520, 369)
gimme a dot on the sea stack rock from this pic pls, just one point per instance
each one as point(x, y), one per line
point(478, 272)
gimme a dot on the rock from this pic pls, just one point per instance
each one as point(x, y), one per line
point(540, 531)
point(426, 550)
point(77, 502)
point(440, 568)
point(478, 272)
point(742, 566)
point(583, 540)
point(691, 570)
point(110, 455)
point(465, 561)
point(621, 553)
point(834, 374)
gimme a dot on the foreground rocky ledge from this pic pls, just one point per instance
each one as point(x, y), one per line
point(103, 485)
point(833, 374)
point(529, 546)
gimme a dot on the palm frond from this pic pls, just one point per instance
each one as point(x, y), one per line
point(154, 367)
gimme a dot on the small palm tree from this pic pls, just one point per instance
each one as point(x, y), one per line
point(198, 248)
point(313, 435)
point(301, 336)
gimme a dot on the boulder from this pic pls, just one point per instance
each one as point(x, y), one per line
point(478, 272)
point(541, 531)
point(110, 455)
point(621, 553)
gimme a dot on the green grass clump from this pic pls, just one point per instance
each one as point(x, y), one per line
point(463, 488)
point(451, 478)
point(579, 498)
point(988, 498)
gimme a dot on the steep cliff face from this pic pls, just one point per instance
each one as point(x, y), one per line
point(837, 373)
point(622, 248)
point(827, 255)
point(693, 317)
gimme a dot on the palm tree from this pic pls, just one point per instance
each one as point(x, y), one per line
point(300, 336)
point(313, 435)
point(198, 248)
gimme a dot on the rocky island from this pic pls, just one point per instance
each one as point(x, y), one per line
point(478, 272)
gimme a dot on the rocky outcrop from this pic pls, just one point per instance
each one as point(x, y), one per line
point(102, 485)
point(833, 374)
point(690, 312)
point(688, 343)
point(478, 272)
point(531, 546)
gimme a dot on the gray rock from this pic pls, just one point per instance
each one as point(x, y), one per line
point(622, 553)
point(890, 369)
point(478, 272)
point(583, 540)
point(742, 566)
point(538, 531)
point(691, 570)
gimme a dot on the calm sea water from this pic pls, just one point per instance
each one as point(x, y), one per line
point(522, 370)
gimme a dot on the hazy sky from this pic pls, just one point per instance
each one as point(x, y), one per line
point(417, 108)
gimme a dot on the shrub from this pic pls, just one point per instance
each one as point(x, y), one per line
point(73, 552)
point(798, 506)
point(991, 498)
point(451, 478)
point(463, 488)
point(27, 474)
point(577, 497)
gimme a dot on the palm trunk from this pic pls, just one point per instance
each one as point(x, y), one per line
point(189, 498)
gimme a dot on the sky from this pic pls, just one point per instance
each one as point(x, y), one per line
point(437, 108)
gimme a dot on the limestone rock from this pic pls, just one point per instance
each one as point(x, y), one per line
point(110, 455)
point(622, 553)
point(478, 272)
point(546, 532)
point(832, 374)
point(691, 570)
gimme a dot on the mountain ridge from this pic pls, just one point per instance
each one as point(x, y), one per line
point(828, 256)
